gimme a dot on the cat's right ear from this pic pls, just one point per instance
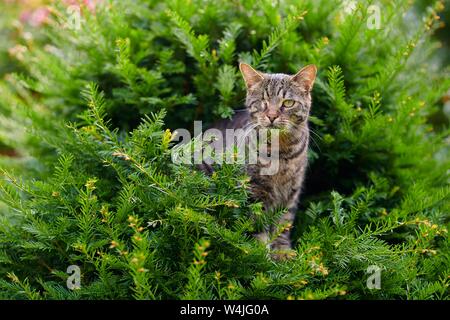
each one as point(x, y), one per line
point(251, 76)
point(306, 77)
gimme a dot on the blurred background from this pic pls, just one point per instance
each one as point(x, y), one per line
point(23, 20)
point(380, 119)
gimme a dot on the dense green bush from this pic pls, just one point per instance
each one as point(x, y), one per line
point(92, 117)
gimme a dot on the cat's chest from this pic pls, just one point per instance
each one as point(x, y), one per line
point(279, 188)
point(286, 173)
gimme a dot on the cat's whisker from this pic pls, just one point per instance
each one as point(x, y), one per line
point(247, 129)
point(250, 124)
point(292, 126)
point(313, 139)
point(315, 133)
point(289, 124)
point(315, 142)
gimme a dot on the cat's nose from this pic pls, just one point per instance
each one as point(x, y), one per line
point(272, 116)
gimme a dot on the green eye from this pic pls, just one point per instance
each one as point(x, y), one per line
point(288, 103)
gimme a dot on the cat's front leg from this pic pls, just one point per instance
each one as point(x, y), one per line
point(282, 246)
point(263, 237)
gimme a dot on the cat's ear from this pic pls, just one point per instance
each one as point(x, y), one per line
point(306, 77)
point(251, 76)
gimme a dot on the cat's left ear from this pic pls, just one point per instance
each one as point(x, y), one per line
point(306, 77)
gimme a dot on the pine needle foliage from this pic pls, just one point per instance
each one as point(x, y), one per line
point(92, 114)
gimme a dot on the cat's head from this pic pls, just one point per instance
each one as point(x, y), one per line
point(278, 100)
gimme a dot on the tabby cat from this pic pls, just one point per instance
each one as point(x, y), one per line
point(278, 101)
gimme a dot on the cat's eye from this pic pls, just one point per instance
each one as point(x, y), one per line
point(288, 103)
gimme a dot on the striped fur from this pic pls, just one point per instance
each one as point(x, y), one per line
point(266, 94)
